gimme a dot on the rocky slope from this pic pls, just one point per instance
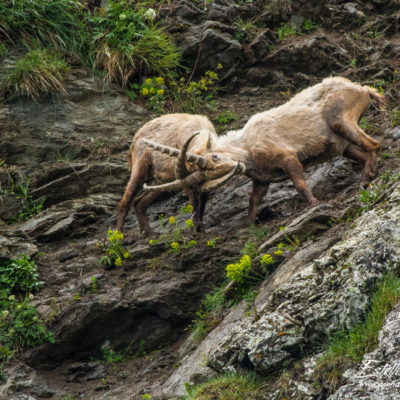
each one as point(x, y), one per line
point(73, 151)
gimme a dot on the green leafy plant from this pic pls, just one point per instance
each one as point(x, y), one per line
point(38, 72)
point(226, 117)
point(308, 26)
point(285, 30)
point(20, 275)
point(111, 357)
point(173, 231)
point(20, 326)
point(128, 42)
point(114, 249)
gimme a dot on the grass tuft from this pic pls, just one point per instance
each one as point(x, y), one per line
point(37, 72)
point(228, 387)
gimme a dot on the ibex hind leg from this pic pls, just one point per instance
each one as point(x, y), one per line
point(366, 159)
point(355, 135)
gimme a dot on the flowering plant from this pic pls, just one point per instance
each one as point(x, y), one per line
point(114, 249)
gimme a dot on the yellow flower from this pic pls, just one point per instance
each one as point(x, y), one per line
point(148, 81)
point(208, 243)
point(118, 262)
point(171, 220)
point(152, 90)
point(175, 245)
point(267, 259)
point(245, 261)
point(126, 254)
point(152, 241)
point(160, 80)
point(192, 243)
point(278, 252)
point(145, 91)
point(219, 66)
point(189, 223)
point(160, 92)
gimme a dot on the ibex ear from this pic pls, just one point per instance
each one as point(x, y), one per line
point(204, 142)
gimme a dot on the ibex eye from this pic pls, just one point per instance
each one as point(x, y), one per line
point(215, 157)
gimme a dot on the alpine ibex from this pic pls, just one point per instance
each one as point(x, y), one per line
point(181, 131)
point(317, 124)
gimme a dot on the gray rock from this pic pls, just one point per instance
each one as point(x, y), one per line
point(24, 383)
point(378, 375)
point(394, 133)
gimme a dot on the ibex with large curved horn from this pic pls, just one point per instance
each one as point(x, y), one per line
point(193, 134)
point(317, 124)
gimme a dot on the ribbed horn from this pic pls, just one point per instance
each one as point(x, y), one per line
point(178, 184)
point(180, 169)
point(172, 151)
point(213, 184)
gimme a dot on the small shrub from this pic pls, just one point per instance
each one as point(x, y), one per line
point(20, 275)
point(114, 249)
point(20, 325)
point(37, 72)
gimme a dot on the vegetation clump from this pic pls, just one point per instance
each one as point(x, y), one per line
point(38, 72)
point(228, 387)
point(114, 249)
point(20, 325)
point(128, 42)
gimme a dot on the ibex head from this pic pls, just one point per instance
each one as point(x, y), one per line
point(213, 169)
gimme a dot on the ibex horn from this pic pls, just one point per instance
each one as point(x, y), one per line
point(213, 184)
point(178, 184)
point(172, 151)
point(180, 169)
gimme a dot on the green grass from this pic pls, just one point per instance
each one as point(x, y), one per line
point(57, 23)
point(38, 72)
point(209, 314)
point(228, 387)
point(348, 348)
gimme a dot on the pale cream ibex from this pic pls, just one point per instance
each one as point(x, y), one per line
point(194, 134)
point(317, 124)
